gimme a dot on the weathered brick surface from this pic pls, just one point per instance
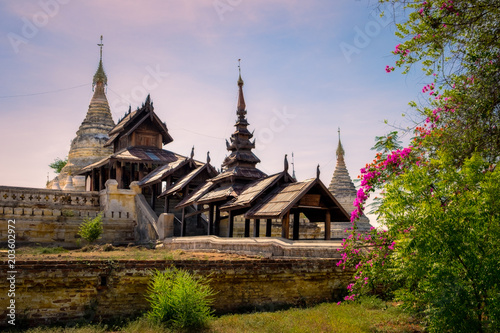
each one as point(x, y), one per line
point(58, 291)
point(62, 230)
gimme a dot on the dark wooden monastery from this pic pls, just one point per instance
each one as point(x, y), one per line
point(195, 193)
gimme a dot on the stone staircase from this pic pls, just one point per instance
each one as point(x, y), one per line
point(195, 226)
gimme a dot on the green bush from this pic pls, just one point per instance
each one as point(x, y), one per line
point(179, 299)
point(371, 302)
point(91, 229)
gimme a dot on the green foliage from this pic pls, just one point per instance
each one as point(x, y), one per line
point(371, 303)
point(455, 42)
point(369, 315)
point(326, 317)
point(91, 229)
point(441, 196)
point(51, 250)
point(387, 143)
point(179, 299)
point(58, 164)
point(446, 263)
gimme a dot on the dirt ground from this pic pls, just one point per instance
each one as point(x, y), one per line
point(109, 252)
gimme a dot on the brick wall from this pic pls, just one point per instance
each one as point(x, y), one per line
point(52, 217)
point(61, 291)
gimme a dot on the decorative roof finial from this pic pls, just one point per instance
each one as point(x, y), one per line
point(286, 163)
point(208, 157)
point(100, 75)
point(100, 46)
point(192, 152)
point(340, 149)
point(317, 172)
point(241, 99)
point(293, 168)
point(240, 80)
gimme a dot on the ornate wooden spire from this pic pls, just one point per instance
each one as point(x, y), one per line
point(241, 99)
point(240, 145)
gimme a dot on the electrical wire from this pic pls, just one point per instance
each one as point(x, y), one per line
point(45, 92)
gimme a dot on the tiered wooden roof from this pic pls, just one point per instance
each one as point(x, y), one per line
point(238, 168)
point(138, 155)
point(192, 198)
point(252, 192)
point(122, 134)
point(181, 184)
point(310, 196)
point(240, 164)
point(137, 142)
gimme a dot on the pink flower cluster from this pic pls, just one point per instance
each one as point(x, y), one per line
point(430, 87)
point(371, 176)
point(389, 69)
point(398, 50)
point(447, 5)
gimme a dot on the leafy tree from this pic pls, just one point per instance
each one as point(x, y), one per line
point(58, 165)
point(456, 44)
point(91, 229)
point(440, 196)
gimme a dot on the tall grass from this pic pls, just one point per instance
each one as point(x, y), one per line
point(179, 299)
point(365, 315)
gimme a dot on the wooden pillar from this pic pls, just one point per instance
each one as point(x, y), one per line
point(256, 227)
point(285, 225)
point(165, 210)
point(119, 174)
point(183, 222)
point(217, 221)
point(92, 180)
point(230, 228)
point(269, 227)
point(100, 179)
point(210, 219)
point(247, 228)
point(327, 226)
point(141, 171)
point(296, 220)
point(131, 174)
point(153, 195)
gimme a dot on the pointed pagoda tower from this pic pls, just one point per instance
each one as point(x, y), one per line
point(341, 185)
point(240, 164)
point(345, 192)
point(88, 145)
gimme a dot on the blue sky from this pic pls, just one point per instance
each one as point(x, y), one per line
point(307, 70)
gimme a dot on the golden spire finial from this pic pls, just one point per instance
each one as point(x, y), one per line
point(340, 149)
point(100, 46)
point(100, 75)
